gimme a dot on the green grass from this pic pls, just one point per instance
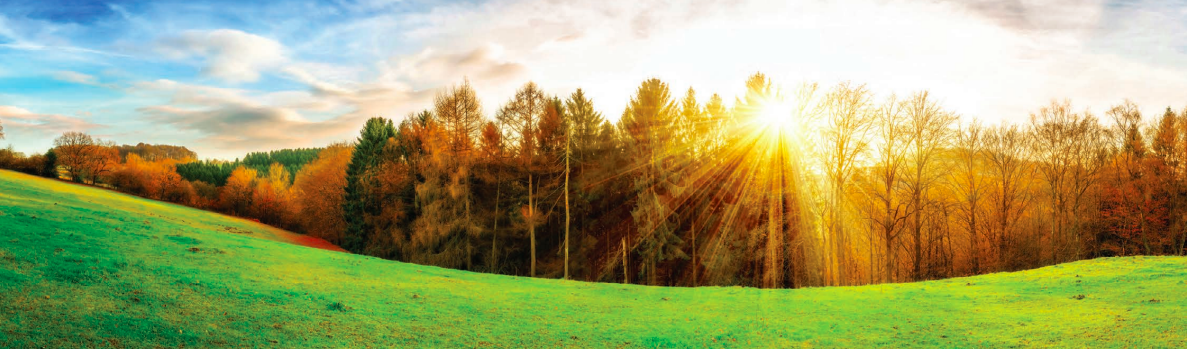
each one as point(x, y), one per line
point(83, 267)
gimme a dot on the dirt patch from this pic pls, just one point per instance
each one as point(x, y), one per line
point(234, 230)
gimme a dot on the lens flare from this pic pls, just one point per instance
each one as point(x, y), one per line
point(777, 116)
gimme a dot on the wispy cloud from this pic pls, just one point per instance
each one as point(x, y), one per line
point(316, 71)
point(227, 54)
point(233, 121)
point(20, 121)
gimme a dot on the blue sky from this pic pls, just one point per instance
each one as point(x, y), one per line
point(228, 77)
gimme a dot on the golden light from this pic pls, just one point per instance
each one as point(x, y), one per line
point(777, 116)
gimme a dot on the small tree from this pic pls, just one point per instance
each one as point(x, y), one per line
point(72, 148)
point(50, 166)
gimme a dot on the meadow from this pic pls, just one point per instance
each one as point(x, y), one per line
point(87, 267)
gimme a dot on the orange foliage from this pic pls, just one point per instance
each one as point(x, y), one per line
point(236, 196)
point(152, 179)
point(318, 192)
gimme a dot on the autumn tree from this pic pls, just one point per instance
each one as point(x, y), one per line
point(885, 205)
point(73, 150)
point(271, 198)
point(848, 117)
point(521, 117)
point(928, 129)
point(320, 188)
point(1006, 154)
point(1068, 150)
point(970, 183)
point(493, 154)
point(1134, 206)
point(445, 229)
point(236, 197)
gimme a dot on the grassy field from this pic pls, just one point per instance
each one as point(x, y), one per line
point(84, 267)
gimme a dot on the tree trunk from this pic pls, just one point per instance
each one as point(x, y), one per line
point(973, 253)
point(626, 275)
point(694, 253)
point(918, 234)
point(532, 225)
point(566, 210)
point(494, 242)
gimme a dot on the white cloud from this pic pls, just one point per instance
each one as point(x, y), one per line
point(229, 55)
point(80, 78)
point(230, 122)
point(433, 68)
point(986, 59)
point(19, 121)
point(76, 77)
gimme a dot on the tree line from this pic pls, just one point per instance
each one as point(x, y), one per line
point(218, 171)
point(841, 187)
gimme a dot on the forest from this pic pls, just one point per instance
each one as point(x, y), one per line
point(791, 187)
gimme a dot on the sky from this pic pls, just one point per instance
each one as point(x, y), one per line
point(228, 77)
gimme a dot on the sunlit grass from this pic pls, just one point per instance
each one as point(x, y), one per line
point(79, 267)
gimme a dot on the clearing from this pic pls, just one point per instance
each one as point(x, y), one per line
point(86, 267)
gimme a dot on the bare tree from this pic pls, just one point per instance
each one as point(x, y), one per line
point(887, 210)
point(460, 115)
point(521, 116)
point(1130, 149)
point(928, 129)
point(969, 182)
point(848, 118)
point(1006, 154)
point(1069, 153)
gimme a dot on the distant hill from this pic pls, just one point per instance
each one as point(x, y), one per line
point(86, 267)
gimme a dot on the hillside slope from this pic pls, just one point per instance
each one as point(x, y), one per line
point(82, 267)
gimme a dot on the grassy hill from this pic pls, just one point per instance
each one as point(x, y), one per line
point(84, 267)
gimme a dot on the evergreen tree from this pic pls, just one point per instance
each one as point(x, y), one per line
point(649, 120)
point(50, 167)
point(586, 126)
point(365, 157)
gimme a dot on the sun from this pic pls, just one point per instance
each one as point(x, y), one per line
point(777, 116)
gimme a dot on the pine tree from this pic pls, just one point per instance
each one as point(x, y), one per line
point(649, 121)
point(365, 157)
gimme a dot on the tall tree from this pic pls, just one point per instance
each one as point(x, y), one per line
point(649, 121)
point(848, 118)
point(969, 182)
point(1068, 152)
point(521, 117)
point(494, 153)
point(585, 124)
point(1131, 204)
point(1007, 157)
point(928, 128)
point(365, 157)
point(887, 209)
point(321, 189)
